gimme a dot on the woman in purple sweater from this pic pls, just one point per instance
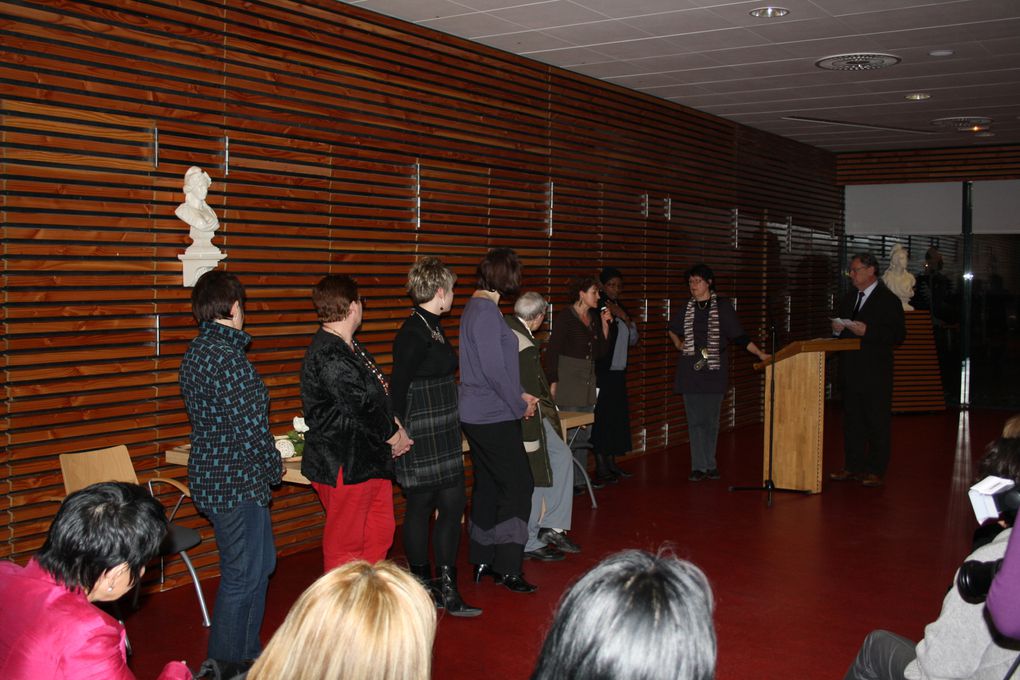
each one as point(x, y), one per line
point(492, 404)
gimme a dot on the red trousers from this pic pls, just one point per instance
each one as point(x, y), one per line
point(359, 521)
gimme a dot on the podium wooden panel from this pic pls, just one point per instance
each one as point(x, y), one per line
point(800, 408)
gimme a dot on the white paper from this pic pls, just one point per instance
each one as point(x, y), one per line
point(982, 497)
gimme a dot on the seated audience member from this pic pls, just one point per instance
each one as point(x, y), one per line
point(357, 622)
point(550, 457)
point(634, 616)
point(960, 643)
point(95, 551)
point(1004, 595)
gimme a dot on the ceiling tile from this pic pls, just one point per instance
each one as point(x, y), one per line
point(525, 41)
point(414, 10)
point(548, 14)
point(473, 25)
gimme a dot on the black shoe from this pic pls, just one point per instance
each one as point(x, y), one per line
point(579, 490)
point(697, 476)
point(616, 470)
point(517, 584)
point(546, 553)
point(482, 570)
point(447, 585)
point(712, 474)
point(559, 540)
point(423, 572)
point(603, 479)
point(596, 484)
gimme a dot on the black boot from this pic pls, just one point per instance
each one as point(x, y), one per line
point(602, 473)
point(447, 578)
point(616, 470)
point(423, 572)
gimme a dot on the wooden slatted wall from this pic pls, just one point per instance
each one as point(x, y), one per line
point(343, 141)
point(958, 164)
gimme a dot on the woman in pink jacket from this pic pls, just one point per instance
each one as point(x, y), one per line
point(96, 550)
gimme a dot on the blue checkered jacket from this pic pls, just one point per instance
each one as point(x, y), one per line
point(233, 456)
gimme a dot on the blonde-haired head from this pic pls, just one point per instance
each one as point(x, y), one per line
point(1011, 430)
point(357, 622)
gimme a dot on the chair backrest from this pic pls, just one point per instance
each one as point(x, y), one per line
point(102, 465)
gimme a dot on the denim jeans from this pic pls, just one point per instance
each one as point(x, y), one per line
point(244, 536)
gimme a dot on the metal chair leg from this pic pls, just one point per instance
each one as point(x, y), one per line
point(587, 481)
point(584, 473)
point(198, 588)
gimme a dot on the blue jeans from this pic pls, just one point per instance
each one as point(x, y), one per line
point(244, 536)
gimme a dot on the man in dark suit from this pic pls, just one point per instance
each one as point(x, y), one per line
point(874, 314)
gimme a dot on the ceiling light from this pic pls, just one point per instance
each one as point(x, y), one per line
point(964, 123)
point(941, 53)
point(769, 12)
point(857, 62)
point(918, 96)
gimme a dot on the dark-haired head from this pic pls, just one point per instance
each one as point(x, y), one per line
point(608, 274)
point(214, 295)
point(99, 528)
point(578, 285)
point(1002, 459)
point(704, 272)
point(500, 272)
point(866, 260)
point(332, 297)
point(635, 615)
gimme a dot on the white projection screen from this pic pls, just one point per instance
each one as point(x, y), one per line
point(932, 208)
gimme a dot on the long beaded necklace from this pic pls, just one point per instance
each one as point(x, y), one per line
point(365, 359)
point(436, 335)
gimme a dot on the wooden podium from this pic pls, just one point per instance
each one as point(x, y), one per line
point(800, 412)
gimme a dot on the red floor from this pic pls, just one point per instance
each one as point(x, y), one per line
point(797, 585)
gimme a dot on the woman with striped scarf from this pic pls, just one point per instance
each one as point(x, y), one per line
point(706, 325)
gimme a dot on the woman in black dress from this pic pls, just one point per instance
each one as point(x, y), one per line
point(423, 392)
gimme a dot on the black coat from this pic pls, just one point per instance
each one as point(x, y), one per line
point(347, 413)
point(871, 367)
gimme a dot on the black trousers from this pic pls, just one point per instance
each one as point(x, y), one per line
point(501, 502)
point(867, 421)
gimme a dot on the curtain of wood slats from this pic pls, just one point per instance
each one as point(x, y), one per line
point(343, 141)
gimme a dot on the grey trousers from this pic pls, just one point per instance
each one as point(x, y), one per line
point(558, 498)
point(883, 656)
point(703, 428)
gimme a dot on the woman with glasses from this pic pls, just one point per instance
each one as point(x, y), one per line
point(706, 325)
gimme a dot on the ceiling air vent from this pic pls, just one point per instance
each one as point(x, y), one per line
point(964, 123)
point(857, 62)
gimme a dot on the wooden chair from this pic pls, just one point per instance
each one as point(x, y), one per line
point(114, 465)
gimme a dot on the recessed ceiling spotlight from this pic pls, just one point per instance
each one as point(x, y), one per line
point(918, 96)
point(857, 62)
point(769, 12)
point(941, 53)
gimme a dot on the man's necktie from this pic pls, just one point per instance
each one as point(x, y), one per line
point(857, 306)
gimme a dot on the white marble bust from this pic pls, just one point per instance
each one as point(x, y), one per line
point(897, 278)
point(196, 212)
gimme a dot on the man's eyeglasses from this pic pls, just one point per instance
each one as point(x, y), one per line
point(854, 270)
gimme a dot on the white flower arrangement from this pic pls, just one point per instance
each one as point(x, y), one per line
point(293, 443)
